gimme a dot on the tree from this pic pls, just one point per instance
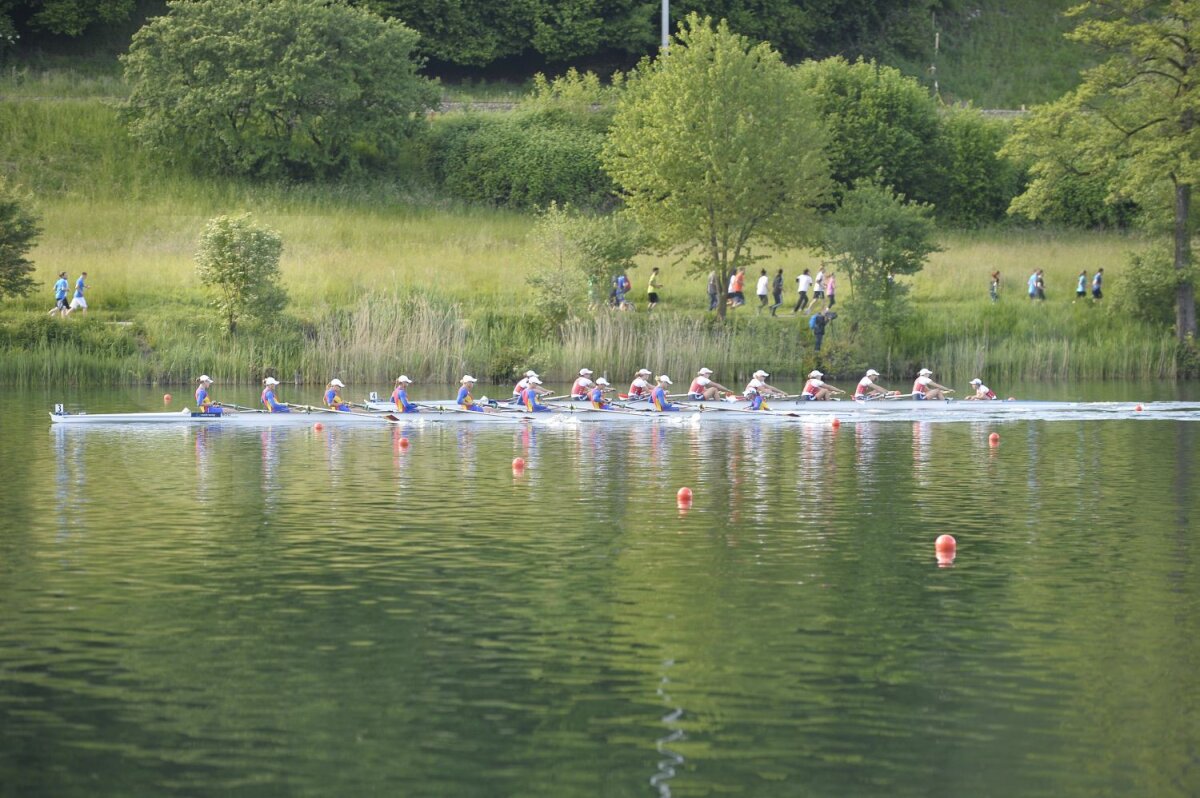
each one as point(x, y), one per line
point(18, 229)
point(240, 261)
point(716, 148)
point(876, 234)
point(278, 88)
point(1134, 121)
point(63, 17)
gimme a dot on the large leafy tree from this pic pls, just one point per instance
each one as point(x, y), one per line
point(716, 149)
point(239, 260)
point(280, 88)
point(18, 230)
point(1134, 121)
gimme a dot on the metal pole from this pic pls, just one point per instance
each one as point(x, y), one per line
point(666, 24)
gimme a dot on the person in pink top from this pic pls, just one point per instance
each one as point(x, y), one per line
point(830, 287)
point(640, 388)
point(817, 390)
point(583, 385)
point(926, 388)
point(703, 387)
point(868, 388)
point(981, 390)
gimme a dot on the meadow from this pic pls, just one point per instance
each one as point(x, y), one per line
point(388, 277)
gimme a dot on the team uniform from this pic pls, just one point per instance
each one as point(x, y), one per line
point(334, 401)
point(696, 389)
point(639, 388)
point(659, 399)
point(920, 389)
point(271, 403)
point(400, 399)
point(811, 387)
point(865, 386)
point(598, 400)
point(204, 402)
point(529, 401)
point(465, 401)
point(581, 388)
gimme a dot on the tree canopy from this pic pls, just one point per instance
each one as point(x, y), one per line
point(716, 148)
point(275, 88)
point(18, 230)
point(1133, 122)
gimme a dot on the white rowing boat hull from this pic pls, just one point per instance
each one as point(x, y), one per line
point(229, 418)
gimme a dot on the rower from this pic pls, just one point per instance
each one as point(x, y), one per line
point(868, 389)
point(658, 396)
point(522, 384)
point(583, 385)
point(529, 398)
point(640, 388)
point(464, 400)
point(981, 390)
point(755, 395)
point(704, 388)
point(817, 390)
point(400, 396)
point(204, 402)
point(268, 397)
point(597, 395)
point(926, 388)
point(759, 384)
point(333, 396)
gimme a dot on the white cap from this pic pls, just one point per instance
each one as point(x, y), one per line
point(535, 381)
point(601, 381)
point(645, 371)
point(584, 372)
point(813, 374)
point(977, 381)
point(468, 378)
point(402, 378)
point(531, 373)
point(705, 371)
point(204, 378)
point(337, 382)
point(872, 373)
point(924, 372)
point(760, 374)
point(270, 381)
point(666, 379)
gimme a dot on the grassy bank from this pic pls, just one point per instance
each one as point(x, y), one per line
point(386, 278)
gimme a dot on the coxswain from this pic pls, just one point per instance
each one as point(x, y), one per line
point(926, 388)
point(204, 402)
point(703, 387)
point(400, 396)
point(758, 383)
point(597, 395)
point(981, 390)
point(755, 397)
point(529, 400)
point(868, 388)
point(816, 389)
point(333, 396)
point(464, 400)
point(268, 397)
point(640, 388)
point(658, 397)
point(583, 385)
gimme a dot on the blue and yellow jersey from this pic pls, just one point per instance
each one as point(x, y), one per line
point(400, 399)
point(269, 402)
point(597, 397)
point(334, 400)
point(465, 401)
point(659, 398)
point(529, 400)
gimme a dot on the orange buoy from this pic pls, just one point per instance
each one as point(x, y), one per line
point(994, 439)
point(404, 443)
point(1138, 408)
point(518, 463)
point(167, 399)
point(945, 547)
point(318, 426)
point(684, 495)
point(836, 423)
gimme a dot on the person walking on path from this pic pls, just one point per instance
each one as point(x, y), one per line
point(803, 283)
point(78, 301)
point(777, 291)
point(1040, 285)
point(61, 286)
point(1081, 286)
point(1097, 281)
point(819, 285)
point(994, 288)
point(739, 287)
point(652, 289)
point(762, 290)
point(714, 291)
point(1033, 282)
point(830, 287)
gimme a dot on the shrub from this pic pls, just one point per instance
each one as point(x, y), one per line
point(976, 184)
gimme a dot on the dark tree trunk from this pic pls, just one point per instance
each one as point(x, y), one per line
point(1185, 296)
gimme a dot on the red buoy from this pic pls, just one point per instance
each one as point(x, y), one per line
point(994, 439)
point(945, 547)
point(167, 399)
point(836, 423)
point(404, 443)
point(684, 494)
point(1138, 408)
point(318, 426)
point(518, 464)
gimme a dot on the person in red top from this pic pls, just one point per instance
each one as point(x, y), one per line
point(703, 387)
point(981, 390)
point(640, 388)
point(583, 385)
point(739, 287)
point(926, 388)
point(817, 390)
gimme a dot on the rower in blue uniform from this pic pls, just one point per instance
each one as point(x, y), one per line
point(756, 397)
point(400, 396)
point(529, 399)
point(268, 397)
point(465, 401)
point(204, 402)
point(597, 395)
point(658, 397)
point(333, 396)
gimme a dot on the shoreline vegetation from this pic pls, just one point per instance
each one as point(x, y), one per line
point(388, 277)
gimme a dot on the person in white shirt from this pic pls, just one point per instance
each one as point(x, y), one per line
point(868, 389)
point(703, 387)
point(762, 290)
point(640, 388)
point(816, 389)
point(926, 388)
point(981, 390)
point(819, 285)
point(759, 384)
point(583, 385)
point(803, 283)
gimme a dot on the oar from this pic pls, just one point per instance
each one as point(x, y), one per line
point(311, 408)
point(240, 408)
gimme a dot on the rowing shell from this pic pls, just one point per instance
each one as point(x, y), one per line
point(228, 418)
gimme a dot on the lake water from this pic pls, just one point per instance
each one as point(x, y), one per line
point(286, 611)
